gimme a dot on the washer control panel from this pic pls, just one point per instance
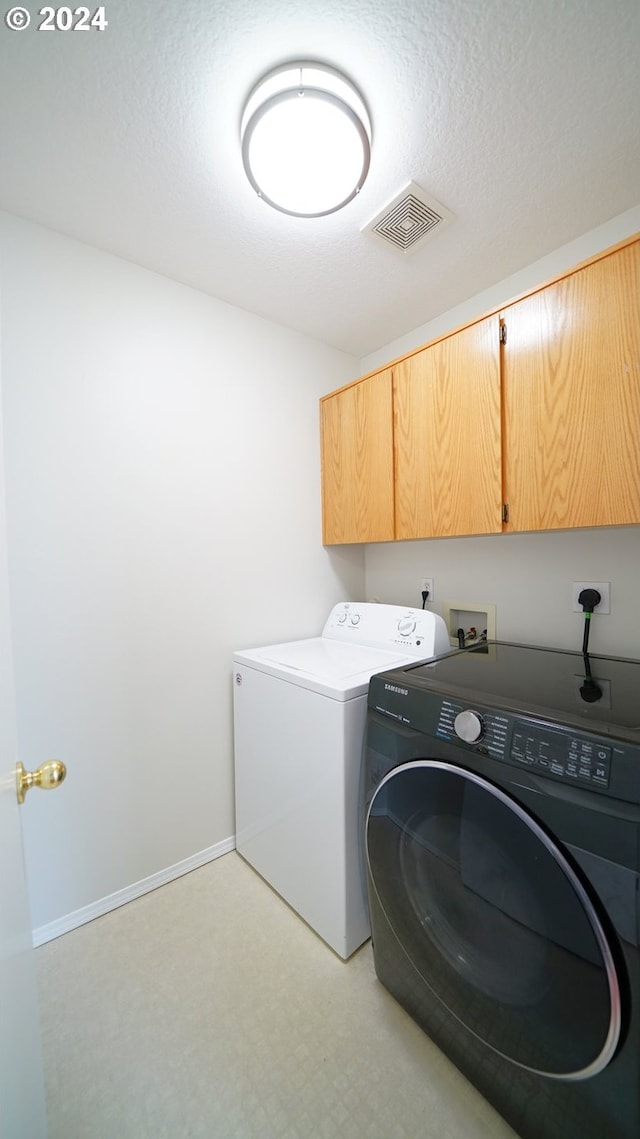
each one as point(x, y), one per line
point(414, 632)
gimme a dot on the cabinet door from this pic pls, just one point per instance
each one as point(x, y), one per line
point(572, 399)
point(447, 436)
point(357, 462)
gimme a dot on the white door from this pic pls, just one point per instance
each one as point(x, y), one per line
point(22, 1103)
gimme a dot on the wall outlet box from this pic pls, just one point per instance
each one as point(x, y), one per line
point(604, 589)
point(427, 583)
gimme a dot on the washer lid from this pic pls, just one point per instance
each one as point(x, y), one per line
point(326, 659)
point(330, 668)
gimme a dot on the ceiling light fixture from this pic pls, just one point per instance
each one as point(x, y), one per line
point(306, 140)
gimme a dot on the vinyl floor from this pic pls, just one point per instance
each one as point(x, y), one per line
point(208, 1010)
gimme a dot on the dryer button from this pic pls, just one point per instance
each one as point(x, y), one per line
point(468, 726)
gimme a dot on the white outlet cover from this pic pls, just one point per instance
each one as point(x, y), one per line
point(604, 589)
point(427, 583)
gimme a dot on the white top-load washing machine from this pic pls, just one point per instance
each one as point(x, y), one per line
point(299, 719)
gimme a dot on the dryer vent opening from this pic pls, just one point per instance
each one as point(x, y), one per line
point(409, 220)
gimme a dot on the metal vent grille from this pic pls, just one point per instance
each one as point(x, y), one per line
point(408, 220)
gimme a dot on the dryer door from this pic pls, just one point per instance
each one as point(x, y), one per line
point(494, 919)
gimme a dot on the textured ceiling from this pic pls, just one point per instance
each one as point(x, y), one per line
point(520, 116)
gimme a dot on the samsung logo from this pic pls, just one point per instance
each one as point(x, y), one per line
point(396, 688)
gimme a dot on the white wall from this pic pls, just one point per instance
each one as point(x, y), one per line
point(163, 502)
point(528, 576)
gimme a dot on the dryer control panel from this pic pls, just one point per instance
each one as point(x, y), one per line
point(446, 726)
point(498, 708)
point(580, 760)
point(552, 751)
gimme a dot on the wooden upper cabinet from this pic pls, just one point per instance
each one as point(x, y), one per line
point(448, 436)
point(357, 462)
point(571, 394)
point(547, 423)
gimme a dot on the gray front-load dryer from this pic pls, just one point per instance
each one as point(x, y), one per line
point(502, 838)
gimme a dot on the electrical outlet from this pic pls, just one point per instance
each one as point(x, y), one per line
point(604, 589)
point(427, 583)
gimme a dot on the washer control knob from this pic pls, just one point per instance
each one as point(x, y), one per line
point(468, 726)
point(342, 618)
point(406, 626)
point(355, 618)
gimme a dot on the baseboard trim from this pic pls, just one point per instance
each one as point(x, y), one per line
point(104, 905)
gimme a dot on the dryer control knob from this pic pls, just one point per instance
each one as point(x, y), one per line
point(468, 726)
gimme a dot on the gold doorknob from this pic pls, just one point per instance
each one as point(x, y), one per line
point(47, 776)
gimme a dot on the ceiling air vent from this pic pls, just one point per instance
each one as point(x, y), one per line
point(409, 220)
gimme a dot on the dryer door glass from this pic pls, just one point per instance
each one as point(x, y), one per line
point(494, 919)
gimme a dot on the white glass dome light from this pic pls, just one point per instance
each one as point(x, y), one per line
point(306, 140)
